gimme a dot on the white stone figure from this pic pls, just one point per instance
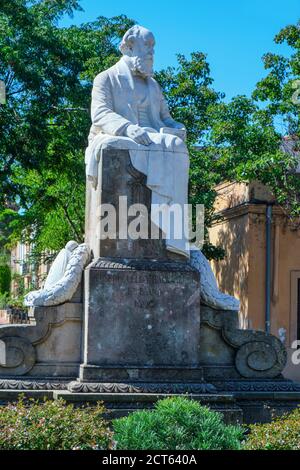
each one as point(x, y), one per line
point(59, 265)
point(127, 103)
point(130, 112)
point(210, 294)
point(63, 279)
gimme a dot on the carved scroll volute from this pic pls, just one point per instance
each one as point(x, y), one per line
point(258, 359)
point(258, 355)
point(17, 356)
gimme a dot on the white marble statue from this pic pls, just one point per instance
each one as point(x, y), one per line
point(130, 112)
point(210, 294)
point(63, 279)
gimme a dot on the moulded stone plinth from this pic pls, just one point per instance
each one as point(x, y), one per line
point(142, 320)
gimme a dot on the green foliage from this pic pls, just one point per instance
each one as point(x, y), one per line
point(5, 274)
point(241, 140)
point(4, 300)
point(282, 434)
point(5, 278)
point(17, 297)
point(44, 125)
point(48, 73)
point(248, 146)
point(248, 133)
point(190, 95)
point(53, 425)
point(191, 98)
point(176, 424)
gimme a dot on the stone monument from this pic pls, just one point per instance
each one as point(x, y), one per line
point(129, 319)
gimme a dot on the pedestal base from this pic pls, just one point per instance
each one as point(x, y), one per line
point(246, 401)
point(90, 373)
point(142, 321)
point(121, 404)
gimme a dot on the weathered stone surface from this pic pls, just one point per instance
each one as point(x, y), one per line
point(141, 373)
point(228, 352)
point(19, 384)
point(121, 404)
point(138, 315)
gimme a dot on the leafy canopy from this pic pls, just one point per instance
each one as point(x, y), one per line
point(44, 125)
point(48, 72)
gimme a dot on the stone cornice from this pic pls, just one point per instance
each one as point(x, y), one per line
point(244, 209)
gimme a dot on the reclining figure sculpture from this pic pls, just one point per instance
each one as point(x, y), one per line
point(63, 279)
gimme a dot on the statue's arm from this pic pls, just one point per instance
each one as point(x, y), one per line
point(102, 112)
point(108, 121)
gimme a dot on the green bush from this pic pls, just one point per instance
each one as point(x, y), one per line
point(282, 434)
point(5, 278)
point(53, 425)
point(176, 424)
point(4, 300)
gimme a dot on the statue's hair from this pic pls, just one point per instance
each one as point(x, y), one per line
point(129, 37)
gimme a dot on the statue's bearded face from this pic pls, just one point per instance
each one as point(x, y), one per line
point(142, 54)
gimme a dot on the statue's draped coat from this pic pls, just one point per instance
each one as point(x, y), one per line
point(165, 162)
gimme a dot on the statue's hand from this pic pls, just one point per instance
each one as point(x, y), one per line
point(179, 125)
point(138, 134)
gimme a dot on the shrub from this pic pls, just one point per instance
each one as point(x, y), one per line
point(282, 434)
point(176, 424)
point(53, 425)
point(5, 278)
point(4, 300)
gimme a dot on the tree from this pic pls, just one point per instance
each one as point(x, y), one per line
point(5, 274)
point(249, 133)
point(48, 72)
point(46, 119)
point(44, 125)
point(192, 99)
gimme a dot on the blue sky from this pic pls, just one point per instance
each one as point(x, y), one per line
point(233, 33)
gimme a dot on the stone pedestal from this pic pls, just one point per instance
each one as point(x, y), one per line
point(120, 184)
point(142, 303)
point(143, 335)
point(142, 321)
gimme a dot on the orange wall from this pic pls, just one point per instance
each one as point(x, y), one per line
point(242, 234)
point(232, 272)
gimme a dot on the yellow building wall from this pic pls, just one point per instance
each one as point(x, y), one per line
point(232, 272)
point(242, 233)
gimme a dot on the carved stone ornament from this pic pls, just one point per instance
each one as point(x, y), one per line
point(32, 384)
point(258, 355)
point(180, 388)
point(19, 355)
point(22, 346)
point(278, 385)
point(63, 290)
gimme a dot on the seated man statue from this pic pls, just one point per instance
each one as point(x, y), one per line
point(130, 112)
